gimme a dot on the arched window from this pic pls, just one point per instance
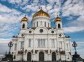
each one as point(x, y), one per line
point(41, 22)
point(45, 24)
point(23, 26)
point(37, 24)
point(59, 26)
point(48, 24)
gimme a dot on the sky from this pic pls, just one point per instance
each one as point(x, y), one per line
point(71, 12)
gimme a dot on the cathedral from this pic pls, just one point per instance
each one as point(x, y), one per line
point(41, 42)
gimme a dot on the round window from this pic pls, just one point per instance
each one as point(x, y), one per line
point(60, 35)
point(29, 31)
point(41, 30)
point(22, 35)
point(52, 31)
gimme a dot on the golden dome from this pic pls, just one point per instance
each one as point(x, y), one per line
point(24, 19)
point(57, 19)
point(41, 13)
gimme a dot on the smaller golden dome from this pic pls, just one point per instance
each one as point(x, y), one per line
point(57, 19)
point(24, 19)
point(41, 13)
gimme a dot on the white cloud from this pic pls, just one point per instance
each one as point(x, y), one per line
point(15, 1)
point(9, 15)
point(8, 29)
point(8, 19)
point(75, 26)
point(73, 29)
point(79, 22)
point(4, 8)
point(70, 7)
point(5, 40)
point(73, 7)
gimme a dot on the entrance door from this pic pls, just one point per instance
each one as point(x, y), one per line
point(29, 56)
point(41, 56)
point(53, 56)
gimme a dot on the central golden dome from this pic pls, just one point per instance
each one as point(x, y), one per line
point(41, 13)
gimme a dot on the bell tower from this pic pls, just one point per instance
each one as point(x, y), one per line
point(24, 22)
point(58, 22)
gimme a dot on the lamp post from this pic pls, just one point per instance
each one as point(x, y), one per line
point(10, 44)
point(75, 45)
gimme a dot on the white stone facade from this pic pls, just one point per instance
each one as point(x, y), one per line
point(41, 42)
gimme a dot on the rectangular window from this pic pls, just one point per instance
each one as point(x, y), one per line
point(60, 44)
point(41, 22)
point(15, 47)
point(37, 24)
point(29, 43)
point(53, 43)
point(67, 46)
point(22, 44)
point(48, 24)
point(45, 24)
point(41, 42)
point(38, 42)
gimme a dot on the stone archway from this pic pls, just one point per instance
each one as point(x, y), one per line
point(41, 56)
point(53, 56)
point(29, 56)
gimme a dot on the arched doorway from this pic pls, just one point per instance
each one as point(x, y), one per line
point(29, 56)
point(41, 56)
point(53, 56)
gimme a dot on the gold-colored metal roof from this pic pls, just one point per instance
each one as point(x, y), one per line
point(24, 19)
point(57, 19)
point(41, 13)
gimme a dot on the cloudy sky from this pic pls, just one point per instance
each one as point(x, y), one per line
point(71, 12)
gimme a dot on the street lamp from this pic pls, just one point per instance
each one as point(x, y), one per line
point(74, 45)
point(10, 44)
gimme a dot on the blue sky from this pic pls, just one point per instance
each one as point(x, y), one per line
point(71, 12)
